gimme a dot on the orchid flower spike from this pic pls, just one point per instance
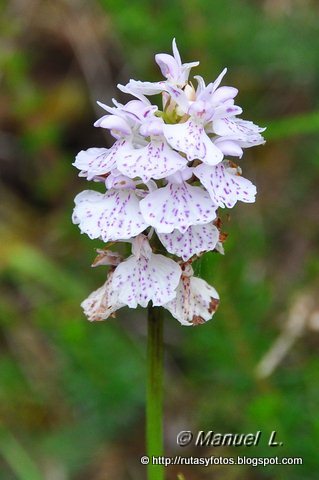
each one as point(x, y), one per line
point(164, 180)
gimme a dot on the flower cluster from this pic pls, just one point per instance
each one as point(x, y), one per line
point(166, 175)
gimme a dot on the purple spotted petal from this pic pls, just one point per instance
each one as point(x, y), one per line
point(196, 239)
point(139, 280)
point(191, 139)
point(156, 160)
point(224, 185)
point(98, 161)
point(177, 206)
point(113, 216)
point(95, 161)
point(246, 133)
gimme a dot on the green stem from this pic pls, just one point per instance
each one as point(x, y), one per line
point(154, 401)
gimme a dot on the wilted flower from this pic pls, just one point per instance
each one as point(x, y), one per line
point(165, 176)
point(102, 303)
point(195, 302)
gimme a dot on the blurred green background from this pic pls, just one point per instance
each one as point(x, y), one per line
point(72, 393)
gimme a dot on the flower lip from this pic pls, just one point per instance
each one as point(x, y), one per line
point(190, 138)
point(156, 160)
point(145, 276)
point(224, 186)
point(112, 216)
point(196, 240)
point(177, 206)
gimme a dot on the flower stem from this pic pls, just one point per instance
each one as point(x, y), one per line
point(154, 400)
